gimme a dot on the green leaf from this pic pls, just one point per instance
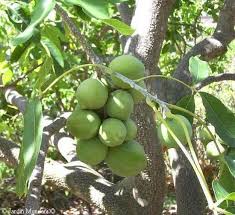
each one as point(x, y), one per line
point(220, 117)
point(98, 9)
point(188, 103)
point(44, 73)
point(121, 27)
point(19, 51)
point(53, 50)
point(199, 69)
point(219, 190)
point(32, 138)
point(230, 162)
point(7, 76)
point(41, 11)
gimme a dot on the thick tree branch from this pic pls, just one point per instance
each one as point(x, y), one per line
point(83, 181)
point(209, 48)
point(94, 58)
point(211, 79)
point(150, 24)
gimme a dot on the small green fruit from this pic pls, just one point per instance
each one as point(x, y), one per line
point(112, 132)
point(166, 138)
point(128, 159)
point(120, 105)
point(137, 96)
point(83, 124)
point(205, 136)
point(91, 151)
point(131, 129)
point(92, 94)
point(128, 66)
point(214, 151)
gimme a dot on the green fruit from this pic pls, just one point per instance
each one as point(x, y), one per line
point(166, 138)
point(137, 96)
point(213, 150)
point(120, 105)
point(127, 159)
point(131, 129)
point(112, 132)
point(91, 94)
point(128, 66)
point(83, 124)
point(91, 151)
point(205, 136)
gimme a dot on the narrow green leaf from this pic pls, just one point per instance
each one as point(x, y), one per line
point(32, 138)
point(218, 189)
point(120, 26)
point(41, 11)
point(199, 69)
point(19, 51)
point(220, 117)
point(97, 9)
point(53, 49)
point(230, 162)
point(7, 76)
point(44, 73)
point(188, 103)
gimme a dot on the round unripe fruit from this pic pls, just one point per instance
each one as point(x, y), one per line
point(91, 94)
point(112, 132)
point(91, 151)
point(136, 95)
point(83, 124)
point(120, 105)
point(128, 66)
point(205, 136)
point(166, 138)
point(214, 151)
point(127, 159)
point(131, 129)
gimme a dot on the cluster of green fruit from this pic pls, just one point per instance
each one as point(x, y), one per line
point(101, 120)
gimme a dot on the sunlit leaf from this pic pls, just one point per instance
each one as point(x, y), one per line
point(199, 69)
point(120, 26)
point(32, 138)
point(41, 11)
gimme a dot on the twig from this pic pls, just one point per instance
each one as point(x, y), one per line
point(73, 28)
point(217, 78)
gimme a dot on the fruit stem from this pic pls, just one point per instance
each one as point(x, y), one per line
point(71, 71)
point(167, 77)
point(193, 153)
point(201, 181)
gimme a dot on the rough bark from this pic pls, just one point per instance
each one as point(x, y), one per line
point(150, 22)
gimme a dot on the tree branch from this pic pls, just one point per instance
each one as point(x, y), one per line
point(211, 79)
point(84, 182)
point(150, 24)
point(82, 40)
point(209, 48)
